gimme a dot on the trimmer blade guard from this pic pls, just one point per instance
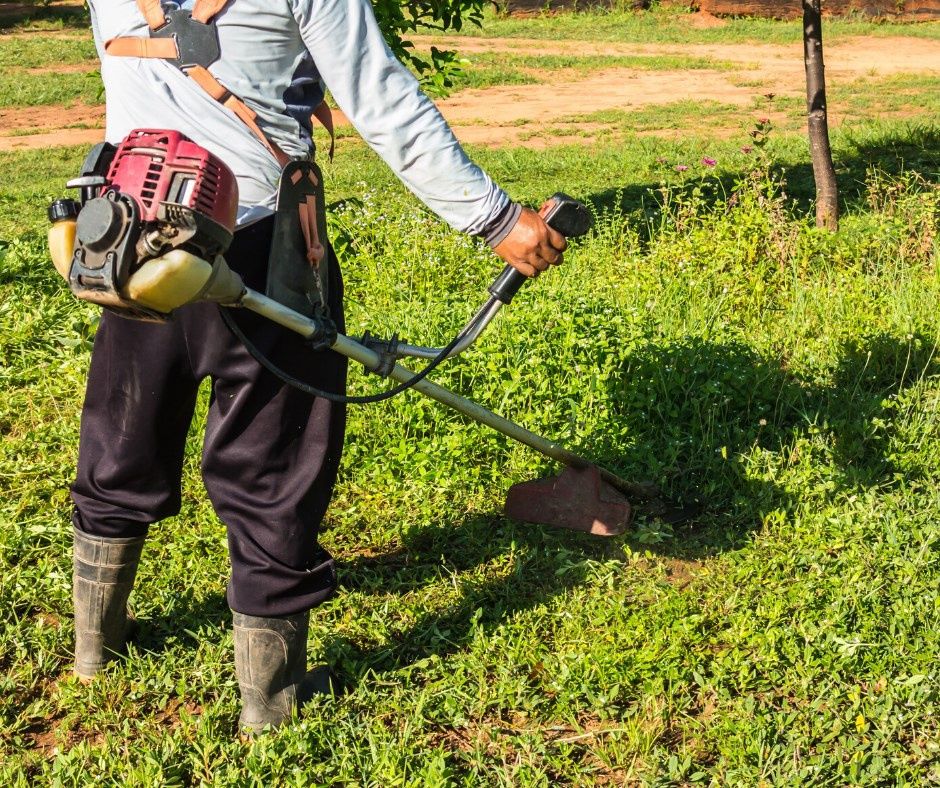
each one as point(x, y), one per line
point(577, 499)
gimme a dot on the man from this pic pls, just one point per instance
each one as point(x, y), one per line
point(271, 452)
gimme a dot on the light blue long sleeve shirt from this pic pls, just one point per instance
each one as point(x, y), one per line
point(274, 55)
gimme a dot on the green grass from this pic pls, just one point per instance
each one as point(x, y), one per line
point(47, 50)
point(671, 25)
point(874, 96)
point(489, 69)
point(597, 62)
point(36, 15)
point(860, 104)
point(705, 335)
point(479, 74)
point(19, 88)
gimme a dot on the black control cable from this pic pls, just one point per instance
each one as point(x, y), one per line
point(566, 215)
point(367, 399)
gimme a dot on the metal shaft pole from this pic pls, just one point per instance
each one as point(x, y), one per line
point(288, 318)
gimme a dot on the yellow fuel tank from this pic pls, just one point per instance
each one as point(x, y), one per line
point(61, 244)
point(170, 281)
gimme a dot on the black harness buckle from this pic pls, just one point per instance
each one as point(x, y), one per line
point(196, 43)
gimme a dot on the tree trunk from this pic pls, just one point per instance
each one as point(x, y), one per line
point(827, 192)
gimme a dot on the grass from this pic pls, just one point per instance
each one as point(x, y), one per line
point(49, 50)
point(43, 16)
point(671, 25)
point(705, 335)
point(29, 75)
point(856, 105)
point(902, 93)
point(585, 63)
point(489, 69)
point(19, 88)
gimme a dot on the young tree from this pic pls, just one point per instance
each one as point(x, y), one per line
point(827, 192)
point(398, 18)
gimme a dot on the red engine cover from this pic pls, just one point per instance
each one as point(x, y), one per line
point(159, 165)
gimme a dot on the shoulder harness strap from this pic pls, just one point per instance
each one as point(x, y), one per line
point(167, 47)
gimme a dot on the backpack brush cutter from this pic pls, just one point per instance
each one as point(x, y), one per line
point(155, 216)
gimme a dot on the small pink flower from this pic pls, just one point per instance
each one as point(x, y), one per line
point(682, 167)
point(746, 149)
point(708, 161)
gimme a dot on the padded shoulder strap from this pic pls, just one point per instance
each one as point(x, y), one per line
point(245, 114)
point(166, 48)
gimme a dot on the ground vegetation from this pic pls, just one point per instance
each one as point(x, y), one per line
point(706, 335)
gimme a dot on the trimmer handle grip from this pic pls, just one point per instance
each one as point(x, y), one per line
point(569, 217)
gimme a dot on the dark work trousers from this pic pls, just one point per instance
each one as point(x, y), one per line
point(270, 452)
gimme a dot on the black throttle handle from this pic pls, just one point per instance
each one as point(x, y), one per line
point(569, 217)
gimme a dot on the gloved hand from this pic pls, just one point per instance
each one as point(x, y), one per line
point(531, 245)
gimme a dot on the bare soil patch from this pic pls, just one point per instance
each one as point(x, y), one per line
point(704, 20)
point(514, 113)
point(44, 127)
point(847, 59)
point(51, 117)
point(53, 139)
point(526, 114)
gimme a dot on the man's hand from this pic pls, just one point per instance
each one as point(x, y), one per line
point(532, 246)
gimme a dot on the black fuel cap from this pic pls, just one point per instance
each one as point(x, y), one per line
point(63, 209)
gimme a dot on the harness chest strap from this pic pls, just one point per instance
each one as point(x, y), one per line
point(163, 48)
point(166, 49)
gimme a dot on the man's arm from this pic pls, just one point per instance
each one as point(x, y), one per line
point(384, 102)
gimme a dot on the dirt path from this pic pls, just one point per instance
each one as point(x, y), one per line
point(847, 59)
point(514, 114)
point(46, 125)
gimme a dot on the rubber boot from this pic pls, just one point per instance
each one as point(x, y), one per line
point(270, 663)
point(103, 572)
point(271, 668)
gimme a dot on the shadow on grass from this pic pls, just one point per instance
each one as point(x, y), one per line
point(191, 616)
point(694, 411)
point(689, 414)
point(696, 407)
point(915, 149)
